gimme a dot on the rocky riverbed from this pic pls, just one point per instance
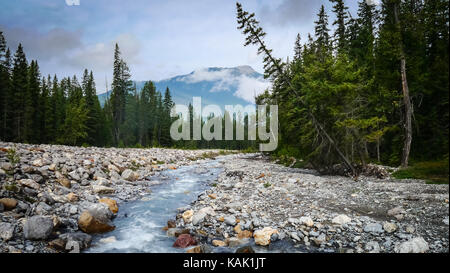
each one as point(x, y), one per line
point(53, 198)
point(258, 202)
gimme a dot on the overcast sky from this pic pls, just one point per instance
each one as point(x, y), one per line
point(158, 39)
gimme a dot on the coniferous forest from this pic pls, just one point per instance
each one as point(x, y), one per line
point(373, 90)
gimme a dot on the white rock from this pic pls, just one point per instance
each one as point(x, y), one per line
point(307, 221)
point(341, 219)
point(415, 245)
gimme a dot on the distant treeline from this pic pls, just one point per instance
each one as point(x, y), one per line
point(37, 109)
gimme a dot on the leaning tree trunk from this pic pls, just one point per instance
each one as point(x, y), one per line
point(406, 100)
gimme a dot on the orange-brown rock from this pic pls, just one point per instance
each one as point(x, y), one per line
point(8, 203)
point(112, 204)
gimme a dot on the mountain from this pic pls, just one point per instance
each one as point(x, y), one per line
point(215, 85)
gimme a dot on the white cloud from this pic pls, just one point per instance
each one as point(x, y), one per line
point(246, 87)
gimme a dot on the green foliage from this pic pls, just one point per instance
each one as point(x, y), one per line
point(12, 156)
point(434, 172)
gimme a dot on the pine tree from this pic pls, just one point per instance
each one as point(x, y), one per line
point(340, 11)
point(33, 110)
point(20, 97)
point(322, 33)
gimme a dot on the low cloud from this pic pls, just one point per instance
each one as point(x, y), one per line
point(226, 80)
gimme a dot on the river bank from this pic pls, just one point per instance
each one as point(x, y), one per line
point(258, 201)
point(55, 197)
point(52, 196)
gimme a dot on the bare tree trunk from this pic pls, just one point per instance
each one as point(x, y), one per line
point(406, 99)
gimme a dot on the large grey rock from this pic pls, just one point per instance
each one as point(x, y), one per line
point(374, 228)
point(6, 231)
point(341, 219)
point(38, 228)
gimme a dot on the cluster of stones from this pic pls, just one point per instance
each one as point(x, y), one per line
point(52, 197)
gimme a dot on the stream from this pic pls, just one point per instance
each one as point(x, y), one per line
point(139, 224)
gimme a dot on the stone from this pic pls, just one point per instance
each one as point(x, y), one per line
point(208, 211)
point(30, 183)
point(320, 239)
point(8, 203)
point(307, 221)
point(415, 245)
point(130, 175)
point(6, 231)
point(389, 227)
point(38, 228)
point(212, 196)
point(195, 249)
point(341, 219)
point(410, 229)
point(245, 234)
point(58, 244)
point(245, 249)
point(395, 211)
point(219, 243)
point(42, 208)
point(187, 216)
point(184, 240)
point(96, 219)
point(235, 242)
point(74, 175)
point(262, 236)
point(38, 163)
point(82, 238)
point(237, 229)
point(65, 182)
point(171, 224)
point(373, 228)
point(112, 204)
point(102, 189)
point(198, 218)
point(108, 240)
point(72, 197)
point(372, 247)
point(230, 220)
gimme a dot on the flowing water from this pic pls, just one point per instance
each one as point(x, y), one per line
point(139, 223)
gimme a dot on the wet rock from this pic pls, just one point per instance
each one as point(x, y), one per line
point(108, 240)
point(96, 219)
point(58, 244)
point(8, 203)
point(6, 231)
point(112, 204)
point(171, 224)
point(245, 234)
point(38, 228)
point(415, 245)
point(219, 243)
point(245, 249)
point(83, 239)
point(184, 240)
point(262, 236)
